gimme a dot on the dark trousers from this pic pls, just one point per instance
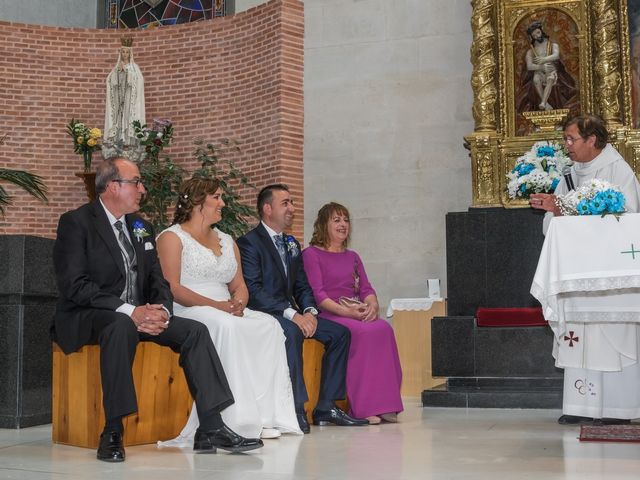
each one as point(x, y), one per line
point(118, 338)
point(336, 340)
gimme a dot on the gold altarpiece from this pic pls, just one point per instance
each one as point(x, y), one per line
point(593, 39)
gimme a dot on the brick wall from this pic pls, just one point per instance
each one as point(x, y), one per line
point(238, 77)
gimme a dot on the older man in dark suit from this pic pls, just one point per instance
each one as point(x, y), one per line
point(112, 293)
point(274, 274)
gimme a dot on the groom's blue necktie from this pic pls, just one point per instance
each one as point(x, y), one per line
point(282, 250)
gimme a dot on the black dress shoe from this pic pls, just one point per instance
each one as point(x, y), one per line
point(573, 420)
point(302, 421)
point(337, 417)
point(611, 421)
point(223, 438)
point(110, 448)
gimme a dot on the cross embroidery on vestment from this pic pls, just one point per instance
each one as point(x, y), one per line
point(571, 338)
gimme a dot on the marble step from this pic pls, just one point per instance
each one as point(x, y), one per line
point(487, 392)
point(460, 348)
point(514, 384)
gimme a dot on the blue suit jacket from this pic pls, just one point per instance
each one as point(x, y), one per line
point(270, 290)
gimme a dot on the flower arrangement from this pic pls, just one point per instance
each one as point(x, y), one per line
point(153, 140)
point(597, 197)
point(292, 246)
point(139, 231)
point(537, 171)
point(85, 140)
point(160, 175)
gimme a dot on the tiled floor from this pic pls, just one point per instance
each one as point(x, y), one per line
point(434, 443)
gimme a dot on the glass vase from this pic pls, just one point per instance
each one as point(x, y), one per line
point(86, 156)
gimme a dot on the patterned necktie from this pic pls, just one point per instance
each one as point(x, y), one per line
point(124, 241)
point(281, 250)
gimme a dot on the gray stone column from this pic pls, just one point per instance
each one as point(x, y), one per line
point(27, 301)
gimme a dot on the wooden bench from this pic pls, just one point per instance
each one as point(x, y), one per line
point(164, 401)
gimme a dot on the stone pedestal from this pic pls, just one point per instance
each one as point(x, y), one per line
point(493, 367)
point(492, 255)
point(27, 301)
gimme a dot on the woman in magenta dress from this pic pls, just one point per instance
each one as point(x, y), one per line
point(344, 295)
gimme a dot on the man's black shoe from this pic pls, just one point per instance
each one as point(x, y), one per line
point(302, 421)
point(110, 448)
point(337, 417)
point(611, 421)
point(223, 438)
point(573, 420)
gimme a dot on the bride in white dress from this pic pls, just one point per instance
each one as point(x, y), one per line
point(202, 266)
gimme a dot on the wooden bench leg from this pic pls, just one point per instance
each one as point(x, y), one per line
point(312, 352)
point(164, 401)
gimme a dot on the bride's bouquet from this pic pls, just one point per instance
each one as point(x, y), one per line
point(537, 171)
point(597, 197)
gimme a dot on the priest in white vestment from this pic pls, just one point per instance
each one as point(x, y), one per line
point(602, 376)
point(125, 100)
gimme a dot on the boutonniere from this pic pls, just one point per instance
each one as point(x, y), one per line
point(139, 231)
point(292, 246)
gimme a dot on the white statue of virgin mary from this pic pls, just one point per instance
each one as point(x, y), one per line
point(125, 99)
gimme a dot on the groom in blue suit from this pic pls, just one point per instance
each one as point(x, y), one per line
point(274, 274)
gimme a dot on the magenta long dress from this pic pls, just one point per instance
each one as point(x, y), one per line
point(373, 370)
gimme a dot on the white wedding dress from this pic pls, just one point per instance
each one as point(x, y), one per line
point(251, 347)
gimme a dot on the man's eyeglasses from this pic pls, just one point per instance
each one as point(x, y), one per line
point(571, 140)
point(135, 181)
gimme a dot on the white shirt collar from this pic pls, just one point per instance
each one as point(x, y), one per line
point(269, 230)
point(113, 219)
point(110, 216)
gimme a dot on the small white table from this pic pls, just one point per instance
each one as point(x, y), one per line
point(412, 327)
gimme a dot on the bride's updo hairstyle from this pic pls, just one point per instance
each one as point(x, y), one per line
point(320, 237)
point(193, 192)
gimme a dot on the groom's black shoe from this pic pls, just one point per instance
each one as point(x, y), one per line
point(337, 417)
point(611, 421)
point(110, 448)
point(302, 421)
point(573, 420)
point(223, 438)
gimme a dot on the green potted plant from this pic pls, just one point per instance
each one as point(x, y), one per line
point(161, 177)
point(214, 163)
point(29, 182)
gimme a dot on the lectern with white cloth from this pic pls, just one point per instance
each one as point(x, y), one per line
point(588, 282)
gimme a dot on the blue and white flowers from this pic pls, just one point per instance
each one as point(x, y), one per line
point(139, 231)
point(292, 246)
point(537, 171)
point(597, 197)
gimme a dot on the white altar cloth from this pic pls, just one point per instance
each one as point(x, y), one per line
point(588, 283)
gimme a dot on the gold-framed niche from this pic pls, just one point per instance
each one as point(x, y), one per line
point(595, 74)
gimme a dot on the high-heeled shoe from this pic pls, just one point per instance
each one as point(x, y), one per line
point(268, 433)
point(374, 420)
point(391, 417)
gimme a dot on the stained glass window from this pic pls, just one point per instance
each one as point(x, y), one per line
point(154, 13)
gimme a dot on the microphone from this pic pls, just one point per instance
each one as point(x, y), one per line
point(566, 172)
